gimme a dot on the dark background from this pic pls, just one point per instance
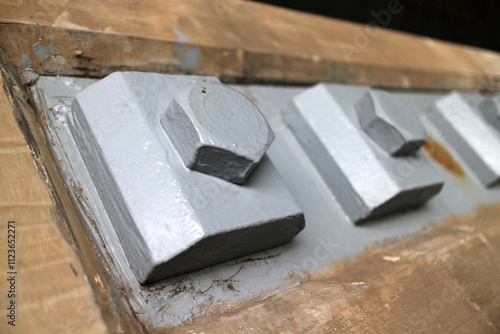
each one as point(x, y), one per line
point(469, 22)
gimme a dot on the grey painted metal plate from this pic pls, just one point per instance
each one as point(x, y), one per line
point(474, 138)
point(329, 236)
point(171, 220)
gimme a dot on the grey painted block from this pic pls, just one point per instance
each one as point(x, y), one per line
point(366, 180)
point(490, 109)
point(169, 219)
point(476, 141)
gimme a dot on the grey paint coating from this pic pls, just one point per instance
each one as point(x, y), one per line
point(490, 109)
point(190, 58)
point(366, 180)
point(217, 130)
point(189, 55)
point(44, 52)
point(328, 237)
point(26, 60)
point(181, 38)
point(390, 122)
point(471, 136)
point(171, 220)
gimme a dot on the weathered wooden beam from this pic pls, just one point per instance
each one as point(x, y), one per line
point(236, 40)
point(58, 271)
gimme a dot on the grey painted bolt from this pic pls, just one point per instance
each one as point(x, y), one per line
point(366, 182)
point(391, 123)
point(490, 109)
point(475, 141)
point(217, 130)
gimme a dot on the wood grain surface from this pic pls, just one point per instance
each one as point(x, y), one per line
point(52, 294)
point(236, 40)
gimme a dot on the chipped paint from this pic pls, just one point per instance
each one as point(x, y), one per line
point(181, 38)
point(190, 58)
point(26, 61)
point(190, 55)
point(44, 52)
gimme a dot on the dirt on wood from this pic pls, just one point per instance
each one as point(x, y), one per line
point(446, 281)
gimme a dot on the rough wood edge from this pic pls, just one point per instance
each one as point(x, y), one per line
point(94, 54)
point(114, 306)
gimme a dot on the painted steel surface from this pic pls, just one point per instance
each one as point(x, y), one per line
point(477, 141)
point(329, 236)
point(170, 219)
point(365, 179)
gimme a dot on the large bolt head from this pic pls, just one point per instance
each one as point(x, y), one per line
point(490, 108)
point(217, 130)
point(391, 123)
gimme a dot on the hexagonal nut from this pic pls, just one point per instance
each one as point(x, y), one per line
point(490, 108)
point(217, 130)
point(391, 123)
point(365, 183)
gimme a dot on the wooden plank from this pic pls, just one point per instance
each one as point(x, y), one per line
point(61, 278)
point(237, 40)
point(51, 291)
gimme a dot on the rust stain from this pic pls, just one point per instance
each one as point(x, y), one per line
point(443, 157)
